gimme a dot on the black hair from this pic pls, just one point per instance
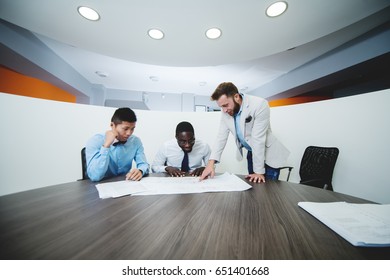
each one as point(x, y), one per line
point(184, 127)
point(124, 115)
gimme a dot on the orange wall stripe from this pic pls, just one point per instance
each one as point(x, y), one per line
point(296, 100)
point(15, 83)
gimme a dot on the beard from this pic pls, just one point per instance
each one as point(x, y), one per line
point(236, 108)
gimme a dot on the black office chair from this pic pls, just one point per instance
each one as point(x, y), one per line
point(289, 171)
point(84, 165)
point(317, 166)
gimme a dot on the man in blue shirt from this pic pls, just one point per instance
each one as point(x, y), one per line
point(112, 153)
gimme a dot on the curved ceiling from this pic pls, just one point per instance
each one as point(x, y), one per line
point(251, 46)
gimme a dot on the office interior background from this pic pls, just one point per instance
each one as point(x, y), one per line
point(322, 65)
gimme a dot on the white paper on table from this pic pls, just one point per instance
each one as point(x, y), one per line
point(179, 185)
point(172, 185)
point(365, 225)
point(120, 188)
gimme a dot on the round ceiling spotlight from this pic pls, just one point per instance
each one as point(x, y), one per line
point(88, 13)
point(156, 34)
point(276, 9)
point(213, 33)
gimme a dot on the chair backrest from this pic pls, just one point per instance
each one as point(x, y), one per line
point(84, 164)
point(317, 166)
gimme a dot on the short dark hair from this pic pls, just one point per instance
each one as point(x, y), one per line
point(184, 127)
point(227, 88)
point(124, 115)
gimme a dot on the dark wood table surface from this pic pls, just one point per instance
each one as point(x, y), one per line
point(70, 221)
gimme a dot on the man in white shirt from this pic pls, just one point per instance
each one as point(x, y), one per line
point(183, 154)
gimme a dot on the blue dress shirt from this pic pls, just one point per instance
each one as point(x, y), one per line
point(116, 160)
point(240, 135)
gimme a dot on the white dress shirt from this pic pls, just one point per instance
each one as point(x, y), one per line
point(171, 154)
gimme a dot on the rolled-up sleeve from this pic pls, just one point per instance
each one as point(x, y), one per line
point(158, 165)
point(97, 158)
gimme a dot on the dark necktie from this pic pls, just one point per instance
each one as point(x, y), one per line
point(119, 143)
point(184, 164)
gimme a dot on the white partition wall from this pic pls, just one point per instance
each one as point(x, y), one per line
point(357, 125)
point(41, 140)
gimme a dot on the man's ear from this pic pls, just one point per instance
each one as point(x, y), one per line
point(237, 97)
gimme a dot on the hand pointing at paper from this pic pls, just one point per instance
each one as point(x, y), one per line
point(209, 171)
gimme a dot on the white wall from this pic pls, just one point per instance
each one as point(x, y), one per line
point(357, 125)
point(41, 140)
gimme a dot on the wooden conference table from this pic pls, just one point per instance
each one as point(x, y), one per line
point(70, 221)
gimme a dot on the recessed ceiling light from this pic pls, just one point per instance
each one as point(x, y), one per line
point(88, 13)
point(213, 33)
point(202, 84)
point(156, 34)
point(276, 9)
point(153, 78)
